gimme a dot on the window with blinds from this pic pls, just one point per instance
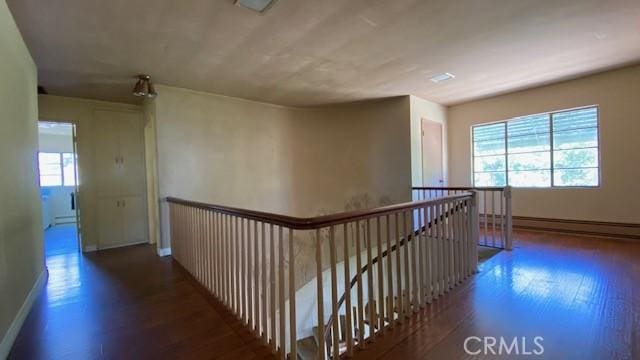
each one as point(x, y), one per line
point(556, 149)
point(57, 169)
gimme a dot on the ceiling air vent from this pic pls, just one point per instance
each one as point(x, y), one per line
point(256, 5)
point(442, 77)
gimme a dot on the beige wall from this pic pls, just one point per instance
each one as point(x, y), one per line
point(223, 150)
point(618, 95)
point(81, 112)
point(297, 161)
point(350, 156)
point(21, 256)
point(273, 158)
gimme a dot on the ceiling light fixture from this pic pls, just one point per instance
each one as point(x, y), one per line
point(144, 87)
point(256, 5)
point(442, 77)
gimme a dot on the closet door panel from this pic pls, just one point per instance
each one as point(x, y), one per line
point(134, 219)
point(131, 132)
point(106, 150)
point(110, 232)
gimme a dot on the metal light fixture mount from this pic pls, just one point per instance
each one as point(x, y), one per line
point(144, 87)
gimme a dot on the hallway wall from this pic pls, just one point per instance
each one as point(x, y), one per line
point(296, 161)
point(21, 244)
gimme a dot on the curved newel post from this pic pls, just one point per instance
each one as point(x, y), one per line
point(508, 220)
point(293, 354)
point(474, 226)
point(320, 298)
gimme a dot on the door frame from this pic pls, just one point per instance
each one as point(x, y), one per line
point(76, 190)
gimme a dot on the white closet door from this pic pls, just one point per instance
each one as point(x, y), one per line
point(106, 147)
point(134, 219)
point(110, 232)
point(131, 131)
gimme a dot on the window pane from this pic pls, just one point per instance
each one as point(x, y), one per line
point(488, 132)
point(535, 178)
point(489, 147)
point(576, 158)
point(528, 150)
point(68, 169)
point(575, 138)
point(530, 143)
point(528, 125)
point(575, 119)
point(47, 180)
point(489, 179)
point(489, 163)
point(575, 177)
point(530, 161)
point(489, 140)
point(50, 170)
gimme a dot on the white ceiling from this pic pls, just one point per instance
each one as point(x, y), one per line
point(310, 52)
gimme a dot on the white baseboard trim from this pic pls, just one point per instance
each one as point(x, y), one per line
point(121, 245)
point(90, 248)
point(164, 251)
point(629, 231)
point(18, 320)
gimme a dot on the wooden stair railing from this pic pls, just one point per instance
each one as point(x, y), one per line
point(494, 207)
point(246, 260)
point(415, 234)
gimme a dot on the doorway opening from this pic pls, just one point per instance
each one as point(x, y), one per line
point(58, 169)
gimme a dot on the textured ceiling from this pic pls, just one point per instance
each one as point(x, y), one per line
point(310, 52)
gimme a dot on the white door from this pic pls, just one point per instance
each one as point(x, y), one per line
point(134, 219)
point(432, 170)
point(106, 160)
point(109, 223)
point(131, 132)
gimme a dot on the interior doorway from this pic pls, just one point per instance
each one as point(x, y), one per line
point(58, 169)
point(432, 152)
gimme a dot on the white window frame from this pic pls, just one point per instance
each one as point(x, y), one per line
point(61, 166)
point(551, 149)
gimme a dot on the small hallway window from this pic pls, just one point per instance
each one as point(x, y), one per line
point(57, 169)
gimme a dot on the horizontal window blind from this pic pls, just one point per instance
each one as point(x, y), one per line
point(543, 150)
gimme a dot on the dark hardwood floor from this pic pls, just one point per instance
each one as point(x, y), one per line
point(128, 303)
point(580, 294)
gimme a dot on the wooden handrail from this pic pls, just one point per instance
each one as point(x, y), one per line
point(318, 222)
point(485, 188)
